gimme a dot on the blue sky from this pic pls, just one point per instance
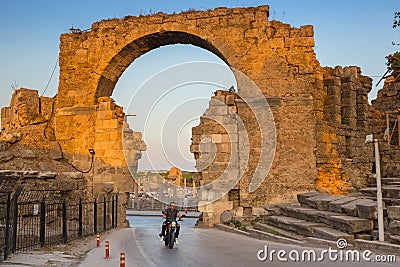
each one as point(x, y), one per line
point(347, 32)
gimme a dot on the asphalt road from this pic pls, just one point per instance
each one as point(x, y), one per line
point(197, 247)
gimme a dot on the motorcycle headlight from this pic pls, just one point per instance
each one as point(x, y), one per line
point(173, 224)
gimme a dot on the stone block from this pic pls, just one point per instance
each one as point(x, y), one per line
point(351, 207)
point(218, 110)
point(230, 100)
point(307, 31)
point(110, 124)
point(27, 153)
point(55, 151)
point(197, 130)
point(301, 198)
point(194, 148)
point(336, 206)
point(351, 224)
point(394, 212)
point(327, 233)
point(216, 138)
point(226, 217)
point(323, 203)
point(394, 227)
point(311, 201)
point(395, 239)
point(299, 41)
point(367, 210)
point(105, 115)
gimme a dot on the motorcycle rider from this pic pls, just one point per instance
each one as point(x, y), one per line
point(170, 214)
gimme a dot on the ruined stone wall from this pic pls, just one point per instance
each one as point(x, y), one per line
point(388, 97)
point(29, 143)
point(26, 108)
point(343, 158)
point(388, 100)
point(320, 141)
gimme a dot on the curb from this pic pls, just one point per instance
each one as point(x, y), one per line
point(376, 246)
point(231, 230)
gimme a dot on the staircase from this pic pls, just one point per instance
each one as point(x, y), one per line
point(390, 190)
point(331, 217)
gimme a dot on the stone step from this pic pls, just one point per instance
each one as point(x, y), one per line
point(299, 226)
point(351, 207)
point(352, 224)
point(332, 234)
point(388, 201)
point(394, 212)
point(390, 179)
point(300, 212)
point(323, 203)
point(395, 239)
point(302, 198)
point(326, 217)
point(336, 206)
point(309, 214)
point(367, 210)
point(388, 191)
point(312, 201)
point(385, 181)
point(277, 231)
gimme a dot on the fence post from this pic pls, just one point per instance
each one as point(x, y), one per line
point(15, 225)
point(112, 212)
point(7, 241)
point(64, 221)
point(95, 216)
point(105, 214)
point(42, 223)
point(116, 210)
point(80, 215)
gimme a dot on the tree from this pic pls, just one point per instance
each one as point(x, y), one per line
point(393, 60)
point(396, 20)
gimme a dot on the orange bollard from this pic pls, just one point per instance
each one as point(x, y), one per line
point(122, 259)
point(107, 250)
point(97, 240)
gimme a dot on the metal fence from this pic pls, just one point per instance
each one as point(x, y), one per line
point(27, 223)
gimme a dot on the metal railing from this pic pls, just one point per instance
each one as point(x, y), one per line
point(25, 225)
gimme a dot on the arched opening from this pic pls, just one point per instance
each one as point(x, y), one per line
point(140, 46)
point(168, 89)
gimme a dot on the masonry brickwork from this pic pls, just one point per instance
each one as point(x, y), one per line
point(28, 142)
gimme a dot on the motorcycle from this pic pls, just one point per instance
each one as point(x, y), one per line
point(170, 234)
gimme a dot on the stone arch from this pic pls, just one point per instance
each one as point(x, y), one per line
point(121, 61)
point(278, 58)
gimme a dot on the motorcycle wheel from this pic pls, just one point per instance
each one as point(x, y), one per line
point(166, 238)
point(172, 240)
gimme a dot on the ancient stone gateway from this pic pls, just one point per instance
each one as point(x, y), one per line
point(278, 58)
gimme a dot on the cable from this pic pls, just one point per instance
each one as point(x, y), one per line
point(51, 76)
point(91, 166)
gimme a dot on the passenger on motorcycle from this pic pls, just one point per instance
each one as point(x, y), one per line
point(170, 214)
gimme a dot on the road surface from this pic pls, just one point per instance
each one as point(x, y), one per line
point(197, 247)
